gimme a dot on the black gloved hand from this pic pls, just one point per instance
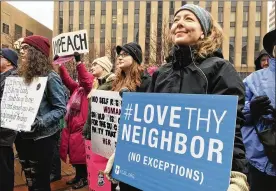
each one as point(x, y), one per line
point(36, 124)
point(125, 89)
point(77, 56)
point(260, 106)
point(56, 57)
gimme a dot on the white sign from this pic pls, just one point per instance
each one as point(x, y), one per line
point(20, 102)
point(68, 43)
point(105, 114)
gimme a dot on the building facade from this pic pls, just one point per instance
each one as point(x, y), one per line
point(111, 23)
point(272, 17)
point(15, 24)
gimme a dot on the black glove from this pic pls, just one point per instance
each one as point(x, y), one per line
point(56, 57)
point(123, 90)
point(36, 124)
point(260, 106)
point(77, 56)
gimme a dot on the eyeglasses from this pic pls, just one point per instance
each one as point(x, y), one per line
point(123, 55)
point(25, 47)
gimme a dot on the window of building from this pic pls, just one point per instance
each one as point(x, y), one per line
point(258, 16)
point(258, 31)
point(244, 50)
point(232, 31)
point(92, 19)
point(6, 28)
point(114, 19)
point(17, 32)
point(71, 19)
point(220, 15)
point(92, 7)
point(60, 5)
point(91, 35)
point(103, 17)
point(102, 39)
point(81, 15)
point(71, 5)
point(70, 27)
point(137, 4)
point(244, 31)
point(245, 16)
point(29, 33)
point(171, 12)
point(113, 35)
point(125, 19)
point(60, 27)
point(258, 24)
point(136, 18)
point(114, 7)
point(81, 4)
point(125, 7)
point(136, 34)
point(232, 17)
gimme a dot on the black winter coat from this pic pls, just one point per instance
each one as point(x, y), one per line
point(7, 136)
point(213, 75)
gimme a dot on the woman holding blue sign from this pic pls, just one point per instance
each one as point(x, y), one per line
point(198, 67)
point(130, 76)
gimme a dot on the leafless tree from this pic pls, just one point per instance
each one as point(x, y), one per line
point(160, 44)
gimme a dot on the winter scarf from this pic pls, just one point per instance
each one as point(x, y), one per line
point(74, 104)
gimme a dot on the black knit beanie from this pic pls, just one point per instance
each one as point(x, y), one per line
point(133, 49)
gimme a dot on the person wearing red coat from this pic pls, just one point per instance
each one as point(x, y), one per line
point(72, 141)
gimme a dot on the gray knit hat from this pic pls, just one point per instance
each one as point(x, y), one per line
point(202, 15)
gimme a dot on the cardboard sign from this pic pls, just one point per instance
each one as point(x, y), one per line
point(105, 114)
point(95, 167)
point(20, 102)
point(183, 143)
point(68, 43)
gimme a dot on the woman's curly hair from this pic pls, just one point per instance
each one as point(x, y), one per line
point(36, 65)
point(131, 81)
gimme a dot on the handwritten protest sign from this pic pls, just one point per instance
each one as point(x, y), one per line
point(20, 102)
point(183, 143)
point(105, 114)
point(95, 167)
point(68, 43)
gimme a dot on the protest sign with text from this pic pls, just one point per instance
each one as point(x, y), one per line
point(183, 143)
point(68, 43)
point(95, 166)
point(20, 102)
point(105, 114)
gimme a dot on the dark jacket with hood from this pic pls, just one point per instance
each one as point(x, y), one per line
point(212, 75)
point(7, 136)
point(258, 60)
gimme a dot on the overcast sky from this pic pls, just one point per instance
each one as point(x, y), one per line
point(42, 11)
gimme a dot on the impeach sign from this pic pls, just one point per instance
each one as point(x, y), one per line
point(68, 43)
point(20, 102)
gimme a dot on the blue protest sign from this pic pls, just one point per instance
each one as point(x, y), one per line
point(176, 141)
